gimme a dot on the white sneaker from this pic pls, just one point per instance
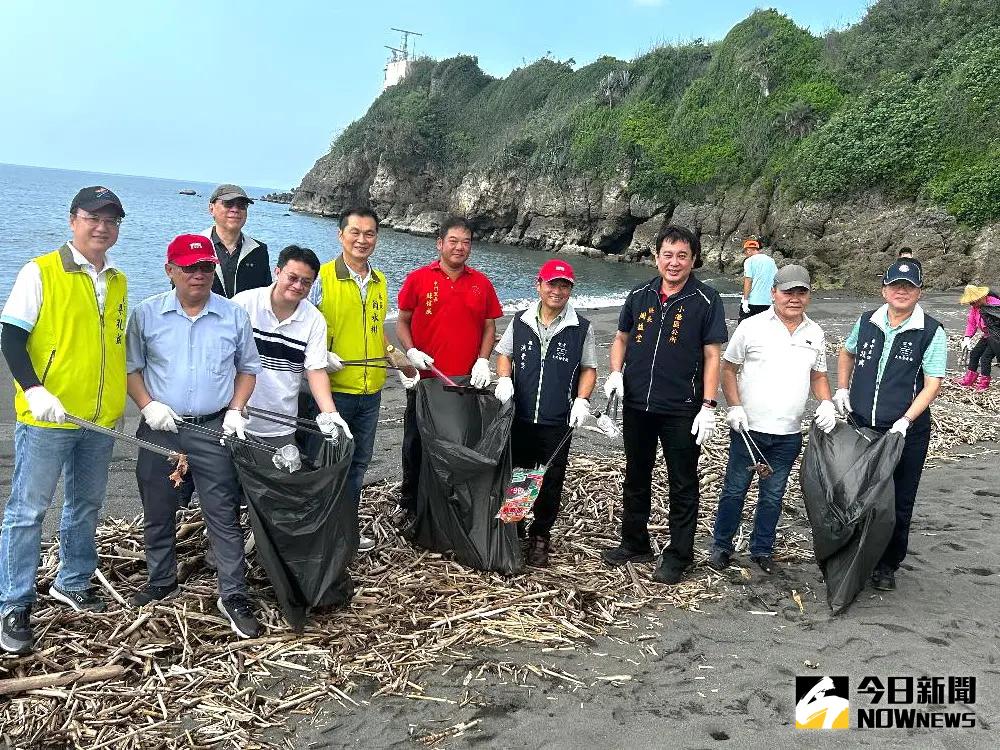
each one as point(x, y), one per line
point(365, 544)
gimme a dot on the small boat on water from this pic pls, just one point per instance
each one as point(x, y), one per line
point(187, 191)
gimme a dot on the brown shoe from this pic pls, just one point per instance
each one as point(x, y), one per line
point(538, 552)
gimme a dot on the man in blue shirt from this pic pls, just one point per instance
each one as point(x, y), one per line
point(758, 278)
point(888, 373)
point(191, 358)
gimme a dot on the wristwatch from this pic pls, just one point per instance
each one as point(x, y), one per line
point(710, 403)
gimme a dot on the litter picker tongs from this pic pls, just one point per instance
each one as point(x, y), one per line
point(452, 387)
point(761, 466)
point(137, 442)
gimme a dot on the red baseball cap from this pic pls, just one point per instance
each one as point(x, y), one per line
point(188, 249)
point(556, 269)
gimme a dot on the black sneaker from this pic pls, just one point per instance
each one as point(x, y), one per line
point(81, 601)
point(15, 631)
point(617, 556)
point(238, 609)
point(884, 580)
point(150, 593)
point(668, 574)
point(718, 559)
point(764, 562)
point(538, 552)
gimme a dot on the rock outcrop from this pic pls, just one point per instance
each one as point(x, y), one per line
point(844, 244)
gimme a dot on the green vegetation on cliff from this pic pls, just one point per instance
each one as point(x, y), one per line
point(906, 101)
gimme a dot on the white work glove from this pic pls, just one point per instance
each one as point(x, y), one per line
point(234, 423)
point(505, 390)
point(44, 406)
point(418, 359)
point(329, 421)
point(745, 305)
point(409, 383)
point(614, 385)
point(736, 418)
point(842, 400)
point(333, 362)
point(826, 416)
point(480, 373)
point(901, 425)
point(704, 425)
point(159, 416)
point(579, 413)
point(967, 343)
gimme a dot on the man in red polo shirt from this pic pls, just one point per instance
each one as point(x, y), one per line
point(447, 317)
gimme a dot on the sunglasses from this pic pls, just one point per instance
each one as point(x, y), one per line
point(205, 266)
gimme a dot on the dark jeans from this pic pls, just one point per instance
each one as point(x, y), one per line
point(981, 356)
point(411, 457)
point(214, 475)
point(907, 480)
point(532, 445)
point(641, 430)
point(781, 452)
point(360, 411)
point(754, 310)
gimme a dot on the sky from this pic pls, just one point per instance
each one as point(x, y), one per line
point(254, 91)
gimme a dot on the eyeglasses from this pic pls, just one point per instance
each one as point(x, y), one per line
point(238, 203)
point(294, 280)
point(108, 222)
point(205, 266)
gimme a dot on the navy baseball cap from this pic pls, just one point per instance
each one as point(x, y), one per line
point(904, 269)
point(95, 198)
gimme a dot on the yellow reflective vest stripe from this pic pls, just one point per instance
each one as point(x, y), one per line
point(78, 352)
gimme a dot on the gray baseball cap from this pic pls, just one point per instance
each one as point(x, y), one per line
point(228, 193)
point(792, 277)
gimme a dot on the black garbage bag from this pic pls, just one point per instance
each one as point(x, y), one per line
point(849, 496)
point(464, 473)
point(991, 317)
point(305, 524)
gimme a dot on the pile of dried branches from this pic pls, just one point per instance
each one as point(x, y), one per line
point(171, 675)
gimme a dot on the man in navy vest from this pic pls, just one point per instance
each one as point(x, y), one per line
point(894, 361)
point(665, 362)
point(546, 362)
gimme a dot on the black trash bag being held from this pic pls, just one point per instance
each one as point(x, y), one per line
point(464, 472)
point(305, 524)
point(849, 495)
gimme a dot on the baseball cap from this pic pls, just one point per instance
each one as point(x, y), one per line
point(188, 249)
point(556, 269)
point(792, 277)
point(228, 192)
point(751, 243)
point(905, 269)
point(95, 198)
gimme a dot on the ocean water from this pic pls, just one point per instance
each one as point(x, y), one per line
point(34, 220)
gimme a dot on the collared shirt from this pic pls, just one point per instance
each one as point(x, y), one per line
point(287, 349)
point(228, 261)
point(761, 270)
point(25, 301)
point(316, 293)
point(449, 315)
point(777, 367)
point(935, 359)
point(190, 364)
point(567, 316)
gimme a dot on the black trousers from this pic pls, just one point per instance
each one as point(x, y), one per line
point(754, 310)
point(907, 480)
point(641, 430)
point(981, 356)
point(412, 450)
point(532, 445)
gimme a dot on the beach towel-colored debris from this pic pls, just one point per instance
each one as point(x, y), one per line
point(822, 702)
point(521, 494)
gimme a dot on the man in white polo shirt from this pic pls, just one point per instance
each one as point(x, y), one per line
point(769, 366)
point(290, 334)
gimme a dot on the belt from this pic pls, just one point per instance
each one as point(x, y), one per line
point(203, 418)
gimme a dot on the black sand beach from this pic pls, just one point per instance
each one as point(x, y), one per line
point(723, 675)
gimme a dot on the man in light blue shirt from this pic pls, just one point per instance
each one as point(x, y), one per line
point(758, 278)
point(192, 363)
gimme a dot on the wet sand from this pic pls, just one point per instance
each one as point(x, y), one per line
point(721, 677)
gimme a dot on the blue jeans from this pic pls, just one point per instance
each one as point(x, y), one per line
point(41, 454)
point(781, 452)
point(360, 411)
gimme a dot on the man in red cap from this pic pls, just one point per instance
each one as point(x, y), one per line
point(63, 327)
point(548, 337)
point(758, 278)
point(192, 358)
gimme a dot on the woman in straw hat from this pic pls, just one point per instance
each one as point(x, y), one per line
point(981, 355)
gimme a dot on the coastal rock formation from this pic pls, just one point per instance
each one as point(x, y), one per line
point(844, 244)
